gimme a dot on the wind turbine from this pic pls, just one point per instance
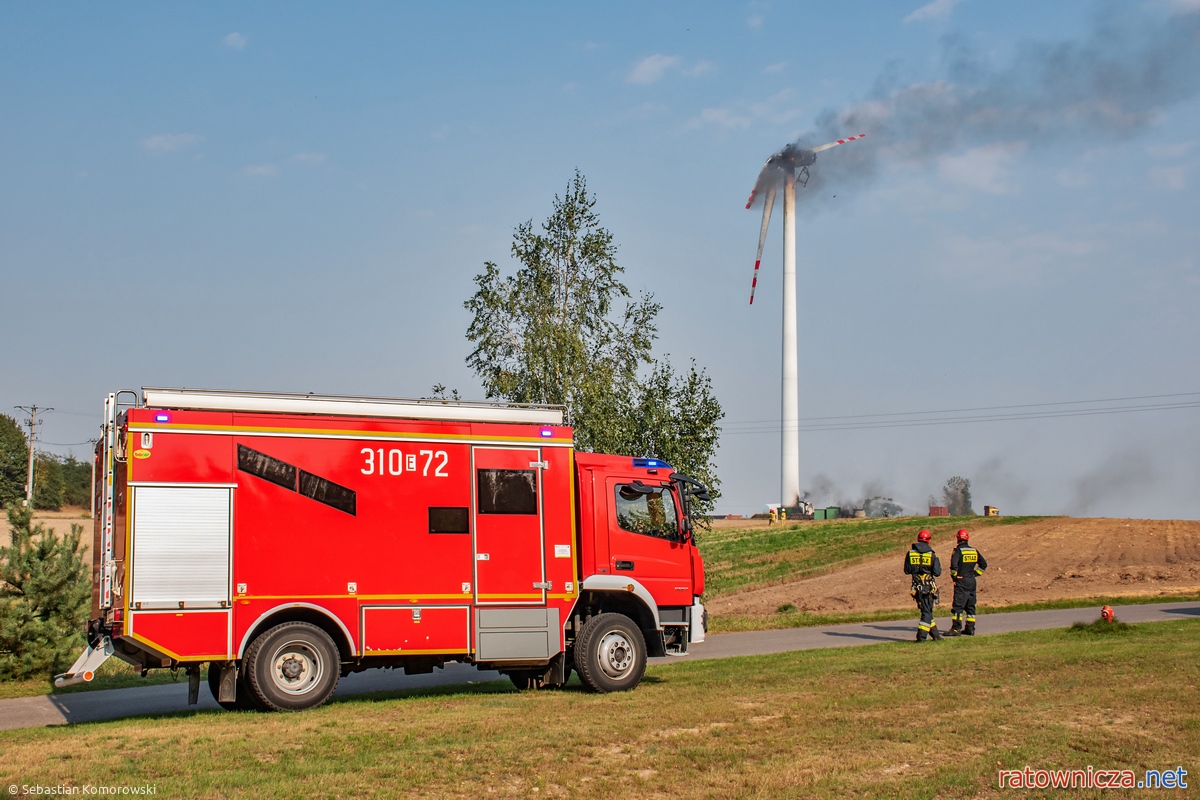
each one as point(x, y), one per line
point(789, 166)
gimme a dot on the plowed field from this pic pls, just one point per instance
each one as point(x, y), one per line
point(1038, 561)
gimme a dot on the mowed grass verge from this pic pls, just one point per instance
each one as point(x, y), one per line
point(736, 559)
point(893, 720)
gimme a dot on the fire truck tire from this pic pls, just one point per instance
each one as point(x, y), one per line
point(292, 666)
point(245, 700)
point(610, 654)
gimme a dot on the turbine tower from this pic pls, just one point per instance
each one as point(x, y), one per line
point(788, 167)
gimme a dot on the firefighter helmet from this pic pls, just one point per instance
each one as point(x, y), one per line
point(923, 536)
point(963, 535)
point(1107, 613)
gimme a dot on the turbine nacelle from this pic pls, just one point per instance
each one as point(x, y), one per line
point(792, 161)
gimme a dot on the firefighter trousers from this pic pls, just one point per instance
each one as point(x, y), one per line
point(925, 605)
point(962, 613)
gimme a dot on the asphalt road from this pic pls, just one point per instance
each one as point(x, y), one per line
point(77, 707)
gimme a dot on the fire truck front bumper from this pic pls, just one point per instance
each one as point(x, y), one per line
point(86, 665)
point(699, 625)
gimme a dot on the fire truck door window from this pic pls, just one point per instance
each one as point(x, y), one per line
point(269, 469)
point(650, 514)
point(507, 491)
point(449, 520)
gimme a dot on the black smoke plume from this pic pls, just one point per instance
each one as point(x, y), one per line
point(1117, 80)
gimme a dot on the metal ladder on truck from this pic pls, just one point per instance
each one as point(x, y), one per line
point(84, 668)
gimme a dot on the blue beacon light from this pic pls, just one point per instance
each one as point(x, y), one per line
point(162, 417)
point(546, 433)
point(650, 463)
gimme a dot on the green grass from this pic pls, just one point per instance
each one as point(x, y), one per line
point(740, 558)
point(1101, 628)
point(892, 720)
point(113, 674)
point(730, 623)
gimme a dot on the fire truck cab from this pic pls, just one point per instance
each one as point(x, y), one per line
point(288, 540)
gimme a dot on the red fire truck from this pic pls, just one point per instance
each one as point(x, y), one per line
point(288, 540)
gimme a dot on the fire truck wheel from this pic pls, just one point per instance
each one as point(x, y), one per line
point(245, 699)
point(610, 653)
point(291, 667)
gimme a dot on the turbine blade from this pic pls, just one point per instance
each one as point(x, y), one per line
point(768, 204)
point(835, 144)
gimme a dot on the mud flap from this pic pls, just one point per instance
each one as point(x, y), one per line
point(556, 671)
point(84, 668)
point(193, 673)
point(227, 688)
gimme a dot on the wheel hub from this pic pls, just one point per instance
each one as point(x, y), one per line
point(616, 654)
point(296, 668)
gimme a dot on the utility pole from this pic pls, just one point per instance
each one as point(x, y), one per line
point(31, 422)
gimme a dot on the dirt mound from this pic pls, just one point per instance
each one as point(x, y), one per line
point(1050, 559)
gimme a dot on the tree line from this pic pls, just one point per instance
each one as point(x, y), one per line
point(57, 481)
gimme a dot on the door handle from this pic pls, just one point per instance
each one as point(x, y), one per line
point(624, 565)
point(547, 585)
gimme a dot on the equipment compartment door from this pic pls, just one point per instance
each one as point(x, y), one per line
point(510, 565)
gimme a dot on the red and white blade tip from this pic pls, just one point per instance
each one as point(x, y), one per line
point(750, 202)
point(839, 141)
point(754, 283)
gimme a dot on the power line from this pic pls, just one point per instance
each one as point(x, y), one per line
point(980, 408)
point(1049, 414)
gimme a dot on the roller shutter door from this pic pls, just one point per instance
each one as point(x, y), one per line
point(181, 539)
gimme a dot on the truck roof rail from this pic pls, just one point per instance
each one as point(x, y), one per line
point(352, 406)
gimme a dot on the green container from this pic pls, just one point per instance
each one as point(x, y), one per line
point(833, 512)
point(818, 513)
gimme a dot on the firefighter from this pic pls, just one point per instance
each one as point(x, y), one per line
point(965, 564)
point(771, 518)
point(923, 565)
point(782, 515)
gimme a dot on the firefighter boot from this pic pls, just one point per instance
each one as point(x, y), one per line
point(955, 627)
point(934, 633)
point(969, 630)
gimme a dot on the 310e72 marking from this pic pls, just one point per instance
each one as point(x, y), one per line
point(397, 462)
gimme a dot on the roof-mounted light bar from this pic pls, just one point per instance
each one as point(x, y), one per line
point(344, 406)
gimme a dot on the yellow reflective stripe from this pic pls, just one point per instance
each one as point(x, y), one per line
point(922, 626)
point(970, 555)
point(926, 559)
point(914, 557)
point(970, 619)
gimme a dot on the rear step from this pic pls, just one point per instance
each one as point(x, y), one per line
point(86, 665)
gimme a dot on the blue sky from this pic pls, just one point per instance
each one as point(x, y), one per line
point(295, 197)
